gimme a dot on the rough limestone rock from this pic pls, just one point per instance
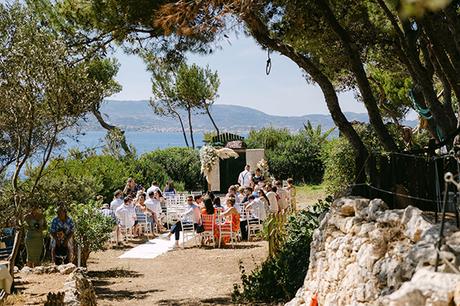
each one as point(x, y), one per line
point(79, 290)
point(26, 270)
point(366, 254)
point(67, 268)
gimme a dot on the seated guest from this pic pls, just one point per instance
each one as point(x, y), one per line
point(117, 200)
point(62, 231)
point(132, 188)
point(154, 204)
point(126, 214)
point(240, 195)
point(256, 208)
point(209, 210)
point(169, 188)
point(141, 208)
point(216, 203)
point(192, 214)
point(247, 193)
point(232, 217)
point(199, 200)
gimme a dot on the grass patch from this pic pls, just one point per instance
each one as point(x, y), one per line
point(308, 195)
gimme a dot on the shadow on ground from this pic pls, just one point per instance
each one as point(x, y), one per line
point(114, 273)
point(221, 300)
point(103, 279)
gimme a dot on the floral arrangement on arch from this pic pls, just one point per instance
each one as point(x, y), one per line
point(210, 155)
point(263, 166)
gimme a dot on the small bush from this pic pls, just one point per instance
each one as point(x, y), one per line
point(280, 276)
point(92, 229)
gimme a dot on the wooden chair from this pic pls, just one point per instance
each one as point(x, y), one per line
point(226, 230)
point(209, 223)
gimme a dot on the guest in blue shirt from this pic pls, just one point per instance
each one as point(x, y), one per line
point(62, 230)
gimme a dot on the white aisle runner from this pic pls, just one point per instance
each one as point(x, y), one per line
point(152, 248)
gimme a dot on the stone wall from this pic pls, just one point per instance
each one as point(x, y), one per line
point(79, 290)
point(365, 254)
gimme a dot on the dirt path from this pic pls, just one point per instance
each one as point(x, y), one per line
point(191, 276)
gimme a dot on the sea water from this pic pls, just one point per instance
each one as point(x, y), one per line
point(143, 141)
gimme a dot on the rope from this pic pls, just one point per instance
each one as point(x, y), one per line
point(268, 66)
point(395, 193)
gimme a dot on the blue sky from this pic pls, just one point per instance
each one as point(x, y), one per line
point(241, 68)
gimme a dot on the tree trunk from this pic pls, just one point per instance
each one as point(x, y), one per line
point(261, 34)
point(183, 128)
point(212, 120)
point(189, 113)
point(110, 127)
point(357, 67)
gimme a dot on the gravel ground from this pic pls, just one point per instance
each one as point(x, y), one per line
point(190, 276)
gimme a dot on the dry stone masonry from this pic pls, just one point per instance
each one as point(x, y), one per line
point(366, 254)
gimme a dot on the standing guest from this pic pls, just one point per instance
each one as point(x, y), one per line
point(283, 197)
point(62, 231)
point(117, 200)
point(155, 186)
point(131, 188)
point(169, 188)
point(292, 194)
point(35, 224)
point(126, 214)
point(232, 218)
point(257, 178)
point(245, 177)
point(192, 214)
point(272, 199)
point(199, 200)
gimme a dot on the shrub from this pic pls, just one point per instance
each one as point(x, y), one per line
point(292, 155)
point(339, 163)
point(92, 229)
point(280, 276)
point(179, 164)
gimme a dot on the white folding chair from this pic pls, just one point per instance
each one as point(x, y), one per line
point(143, 223)
point(254, 224)
point(208, 222)
point(188, 230)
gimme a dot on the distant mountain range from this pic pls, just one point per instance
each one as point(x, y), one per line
point(138, 116)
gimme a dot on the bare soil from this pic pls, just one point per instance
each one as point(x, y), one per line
point(189, 276)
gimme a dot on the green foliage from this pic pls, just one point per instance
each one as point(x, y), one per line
point(267, 138)
point(298, 158)
point(339, 164)
point(92, 229)
point(280, 276)
point(292, 155)
point(178, 164)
